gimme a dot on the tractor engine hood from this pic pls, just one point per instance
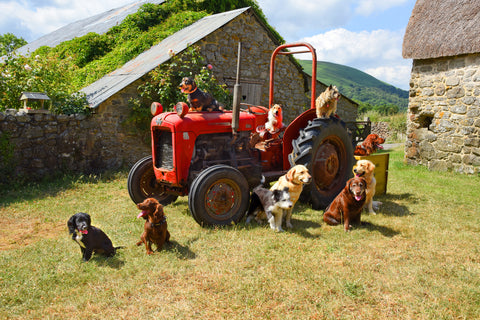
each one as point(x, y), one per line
point(203, 122)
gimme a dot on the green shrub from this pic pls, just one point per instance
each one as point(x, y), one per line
point(162, 85)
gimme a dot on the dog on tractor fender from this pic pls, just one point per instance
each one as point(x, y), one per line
point(198, 100)
point(326, 103)
point(294, 180)
point(347, 205)
point(272, 205)
point(366, 169)
point(155, 227)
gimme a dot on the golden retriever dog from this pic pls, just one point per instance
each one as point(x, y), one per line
point(294, 180)
point(366, 169)
point(326, 103)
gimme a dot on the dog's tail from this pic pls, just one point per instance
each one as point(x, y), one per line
point(119, 247)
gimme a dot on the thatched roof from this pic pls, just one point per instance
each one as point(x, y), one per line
point(440, 28)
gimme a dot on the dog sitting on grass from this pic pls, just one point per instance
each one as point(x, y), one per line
point(269, 204)
point(90, 239)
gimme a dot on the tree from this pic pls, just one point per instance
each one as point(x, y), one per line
point(9, 42)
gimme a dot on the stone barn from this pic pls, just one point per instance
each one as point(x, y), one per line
point(443, 124)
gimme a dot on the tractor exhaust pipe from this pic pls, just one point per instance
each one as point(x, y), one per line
point(237, 94)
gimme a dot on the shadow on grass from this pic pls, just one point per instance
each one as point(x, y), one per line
point(390, 207)
point(111, 262)
point(300, 227)
point(183, 252)
point(387, 232)
point(50, 186)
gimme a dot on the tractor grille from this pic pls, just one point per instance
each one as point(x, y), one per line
point(163, 149)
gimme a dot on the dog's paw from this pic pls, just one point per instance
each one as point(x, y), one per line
point(289, 225)
point(271, 221)
point(377, 205)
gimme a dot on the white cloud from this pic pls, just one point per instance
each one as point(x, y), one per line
point(398, 76)
point(376, 52)
point(33, 19)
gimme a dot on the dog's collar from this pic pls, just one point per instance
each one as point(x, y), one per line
point(164, 219)
point(295, 183)
point(196, 88)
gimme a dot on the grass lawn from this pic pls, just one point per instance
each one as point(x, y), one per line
point(418, 258)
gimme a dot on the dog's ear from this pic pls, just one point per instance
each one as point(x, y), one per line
point(89, 220)
point(71, 224)
point(371, 166)
point(330, 87)
point(291, 174)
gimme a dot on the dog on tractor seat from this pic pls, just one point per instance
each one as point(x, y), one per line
point(275, 119)
point(347, 206)
point(366, 169)
point(198, 100)
point(272, 205)
point(370, 145)
point(294, 179)
point(326, 103)
point(90, 239)
point(155, 228)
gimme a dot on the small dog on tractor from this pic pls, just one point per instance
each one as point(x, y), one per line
point(216, 158)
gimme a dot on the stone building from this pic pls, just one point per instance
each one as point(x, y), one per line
point(443, 124)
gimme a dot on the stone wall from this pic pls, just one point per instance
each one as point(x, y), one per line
point(443, 123)
point(46, 144)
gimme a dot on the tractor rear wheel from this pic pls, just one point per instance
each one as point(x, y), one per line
point(325, 148)
point(219, 195)
point(142, 183)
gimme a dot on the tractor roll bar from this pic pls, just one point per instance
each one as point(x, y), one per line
point(314, 67)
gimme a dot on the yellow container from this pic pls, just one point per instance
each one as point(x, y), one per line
point(381, 170)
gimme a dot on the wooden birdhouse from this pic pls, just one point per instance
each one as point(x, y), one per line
point(33, 96)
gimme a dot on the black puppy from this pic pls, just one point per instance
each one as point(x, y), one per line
point(198, 100)
point(90, 238)
point(273, 203)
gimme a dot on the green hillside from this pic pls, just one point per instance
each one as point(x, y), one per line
point(361, 87)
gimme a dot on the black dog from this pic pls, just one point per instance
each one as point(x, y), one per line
point(273, 203)
point(90, 238)
point(198, 100)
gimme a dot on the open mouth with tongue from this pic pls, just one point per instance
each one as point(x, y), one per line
point(83, 231)
point(358, 197)
point(142, 214)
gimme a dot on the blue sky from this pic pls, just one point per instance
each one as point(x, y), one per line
point(364, 34)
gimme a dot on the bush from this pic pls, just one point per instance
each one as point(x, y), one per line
point(162, 85)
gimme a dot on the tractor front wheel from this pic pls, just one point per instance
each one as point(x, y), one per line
point(142, 183)
point(219, 195)
point(325, 148)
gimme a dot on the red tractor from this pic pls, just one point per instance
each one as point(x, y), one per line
point(213, 158)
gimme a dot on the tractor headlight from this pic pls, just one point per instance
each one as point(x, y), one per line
point(181, 108)
point(156, 108)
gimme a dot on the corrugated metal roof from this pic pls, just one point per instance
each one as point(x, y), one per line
point(133, 70)
point(99, 23)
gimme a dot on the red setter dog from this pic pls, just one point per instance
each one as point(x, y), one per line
point(155, 228)
point(370, 145)
point(347, 206)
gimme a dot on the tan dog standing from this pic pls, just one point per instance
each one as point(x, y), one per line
point(326, 103)
point(366, 169)
point(294, 180)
